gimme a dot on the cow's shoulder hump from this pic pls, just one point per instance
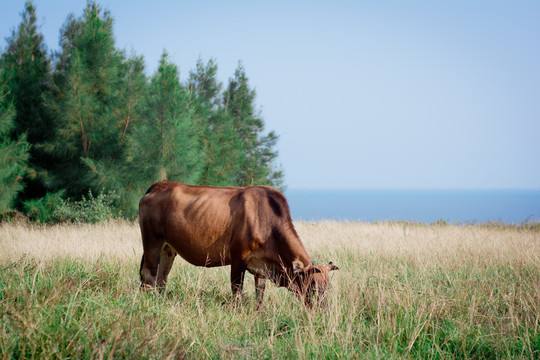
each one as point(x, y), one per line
point(268, 198)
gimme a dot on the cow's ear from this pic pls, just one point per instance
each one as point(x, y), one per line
point(332, 266)
point(297, 266)
point(314, 270)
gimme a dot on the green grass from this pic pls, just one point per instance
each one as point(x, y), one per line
point(391, 304)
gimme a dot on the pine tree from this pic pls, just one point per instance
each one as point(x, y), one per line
point(258, 155)
point(115, 174)
point(130, 101)
point(219, 139)
point(96, 103)
point(26, 56)
point(13, 153)
point(165, 145)
point(204, 85)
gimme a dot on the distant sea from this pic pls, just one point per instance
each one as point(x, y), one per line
point(424, 206)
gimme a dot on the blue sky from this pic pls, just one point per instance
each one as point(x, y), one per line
point(364, 94)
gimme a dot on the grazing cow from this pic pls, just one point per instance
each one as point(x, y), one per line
point(249, 228)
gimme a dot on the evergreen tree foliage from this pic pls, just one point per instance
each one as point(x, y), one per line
point(118, 175)
point(43, 209)
point(130, 104)
point(26, 57)
point(96, 103)
point(258, 155)
point(204, 85)
point(165, 145)
point(219, 140)
point(13, 153)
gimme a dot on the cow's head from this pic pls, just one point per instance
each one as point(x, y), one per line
point(312, 280)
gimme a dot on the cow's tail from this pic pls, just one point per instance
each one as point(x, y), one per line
point(140, 270)
point(150, 188)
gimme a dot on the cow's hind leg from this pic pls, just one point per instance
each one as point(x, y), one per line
point(152, 245)
point(149, 268)
point(166, 260)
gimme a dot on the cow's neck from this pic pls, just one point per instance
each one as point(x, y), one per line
point(292, 249)
point(300, 253)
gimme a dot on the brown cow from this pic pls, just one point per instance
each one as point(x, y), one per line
point(249, 228)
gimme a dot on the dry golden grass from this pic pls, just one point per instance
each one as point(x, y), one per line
point(86, 241)
point(424, 245)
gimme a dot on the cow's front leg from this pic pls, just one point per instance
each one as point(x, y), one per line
point(260, 284)
point(238, 271)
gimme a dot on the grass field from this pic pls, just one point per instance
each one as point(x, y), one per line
point(402, 291)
